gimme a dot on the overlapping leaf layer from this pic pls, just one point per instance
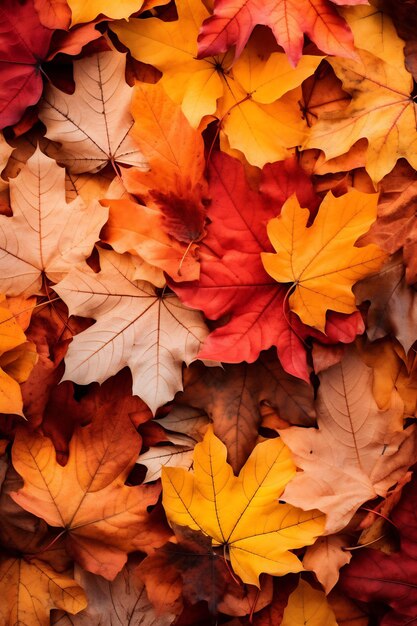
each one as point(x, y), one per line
point(208, 269)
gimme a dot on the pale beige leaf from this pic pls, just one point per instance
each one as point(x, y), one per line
point(325, 557)
point(135, 326)
point(158, 457)
point(45, 234)
point(358, 450)
point(187, 420)
point(93, 123)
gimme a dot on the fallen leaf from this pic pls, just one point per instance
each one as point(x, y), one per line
point(102, 518)
point(255, 101)
point(186, 568)
point(381, 109)
point(88, 11)
point(373, 576)
point(309, 607)
point(232, 397)
point(272, 614)
point(232, 23)
point(158, 457)
point(325, 558)
point(24, 41)
point(135, 326)
point(92, 124)
point(233, 283)
point(242, 513)
point(357, 452)
point(53, 13)
point(172, 48)
point(321, 262)
point(175, 153)
point(45, 236)
point(122, 600)
point(30, 589)
point(140, 230)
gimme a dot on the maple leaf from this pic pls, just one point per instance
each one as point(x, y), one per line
point(122, 600)
point(135, 326)
point(389, 578)
point(140, 230)
point(255, 101)
point(242, 513)
point(381, 110)
point(30, 589)
point(232, 397)
point(308, 606)
point(357, 452)
point(24, 40)
point(233, 284)
point(175, 152)
point(325, 557)
point(45, 235)
point(232, 23)
point(321, 261)
point(102, 517)
point(92, 124)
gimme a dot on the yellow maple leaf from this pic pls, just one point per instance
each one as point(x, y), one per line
point(87, 11)
point(321, 261)
point(381, 110)
point(242, 513)
point(31, 588)
point(17, 358)
point(256, 100)
point(308, 607)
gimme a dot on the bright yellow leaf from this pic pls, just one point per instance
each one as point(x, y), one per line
point(242, 513)
point(83, 11)
point(308, 607)
point(256, 100)
point(321, 261)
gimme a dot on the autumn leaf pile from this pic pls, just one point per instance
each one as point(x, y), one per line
point(208, 312)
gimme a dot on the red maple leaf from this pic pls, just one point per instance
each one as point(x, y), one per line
point(234, 287)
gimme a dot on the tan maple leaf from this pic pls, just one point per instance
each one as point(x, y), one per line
point(135, 326)
point(358, 450)
point(92, 124)
point(45, 236)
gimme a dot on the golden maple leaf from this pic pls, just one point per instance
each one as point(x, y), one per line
point(321, 261)
point(309, 607)
point(241, 513)
point(382, 109)
point(256, 100)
